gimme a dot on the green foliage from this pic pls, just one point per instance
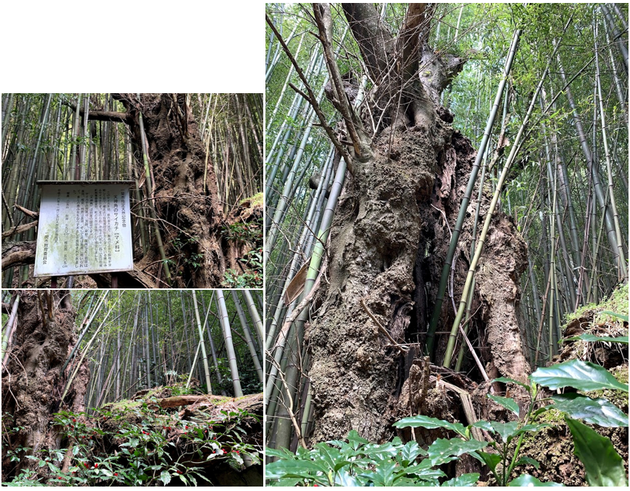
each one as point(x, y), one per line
point(603, 465)
point(147, 454)
point(356, 462)
point(250, 233)
point(579, 374)
point(359, 463)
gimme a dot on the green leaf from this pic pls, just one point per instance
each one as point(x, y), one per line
point(603, 465)
point(528, 460)
point(441, 450)
point(430, 424)
point(304, 469)
point(505, 430)
point(283, 453)
point(410, 451)
point(527, 480)
point(593, 338)
point(463, 480)
point(355, 440)
point(165, 477)
point(581, 375)
point(595, 411)
point(490, 459)
point(506, 402)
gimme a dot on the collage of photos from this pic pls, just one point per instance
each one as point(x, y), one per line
point(132, 285)
point(405, 263)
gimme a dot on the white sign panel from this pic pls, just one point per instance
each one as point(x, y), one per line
point(83, 228)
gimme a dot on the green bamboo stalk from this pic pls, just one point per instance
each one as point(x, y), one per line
point(203, 346)
point(469, 189)
point(248, 338)
point(621, 265)
point(85, 350)
point(495, 198)
point(229, 346)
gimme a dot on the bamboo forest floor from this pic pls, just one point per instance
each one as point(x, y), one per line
point(161, 436)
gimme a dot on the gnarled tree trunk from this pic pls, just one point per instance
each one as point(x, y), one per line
point(184, 186)
point(391, 233)
point(33, 382)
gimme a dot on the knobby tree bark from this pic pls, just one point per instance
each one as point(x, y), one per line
point(33, 380)
point(184, 188)
point(391, 231)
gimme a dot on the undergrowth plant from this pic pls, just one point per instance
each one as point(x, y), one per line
point(134, 448)
point(360, 463)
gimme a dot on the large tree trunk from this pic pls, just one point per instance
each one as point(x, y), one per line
point(388, 244)
point(185, 188)
point(33, 382)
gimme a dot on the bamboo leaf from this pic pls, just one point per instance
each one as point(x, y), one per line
point(593, 338)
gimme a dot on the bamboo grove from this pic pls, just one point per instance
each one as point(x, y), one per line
point(560, 136)
point(90, 137)
point(136, 340)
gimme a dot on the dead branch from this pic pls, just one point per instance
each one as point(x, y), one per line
point(311, 98)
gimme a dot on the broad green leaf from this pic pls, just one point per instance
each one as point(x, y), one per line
point(283, 453)
point(528, 460)
point(507, 402)
point(410, 451)
point(484, 425)
point(441, 449)
point(304, 469)
point(490, 459)
point(424, 471)
point(595, 411)
point(329, 455)
point(581, 375)
point(593, 338)
point(355, 440)
point(527, 480)
point(165, 477)
point(381, 475)
point(463, 480)
point(430, 424)
point(602, 463)
point(345, 479)
point(505, 430)
point(289, 482)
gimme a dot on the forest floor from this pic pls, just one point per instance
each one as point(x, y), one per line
point(553, 446)
point(161, 436)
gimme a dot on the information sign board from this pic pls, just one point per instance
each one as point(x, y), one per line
point(84, 227)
